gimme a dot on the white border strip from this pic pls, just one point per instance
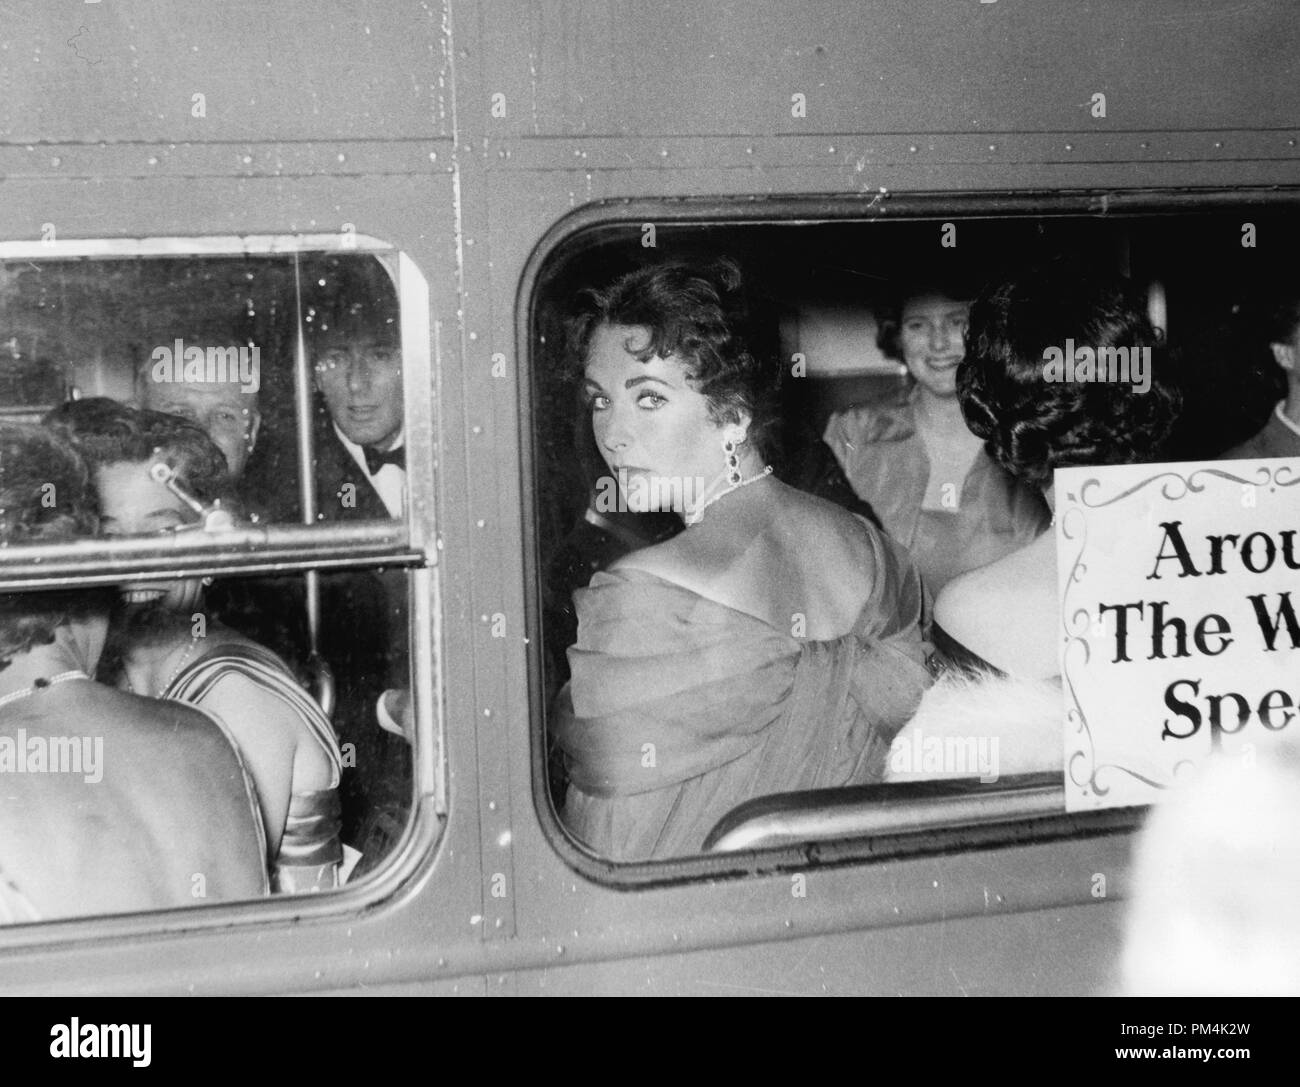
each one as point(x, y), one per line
point(224, 245)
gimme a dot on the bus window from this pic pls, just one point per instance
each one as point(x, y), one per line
point(685, 710)
point(239, 531)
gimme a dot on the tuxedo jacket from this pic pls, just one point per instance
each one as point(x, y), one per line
point(363, 638)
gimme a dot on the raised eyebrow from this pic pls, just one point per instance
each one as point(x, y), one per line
point(633, 382)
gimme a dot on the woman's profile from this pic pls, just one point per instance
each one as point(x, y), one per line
point(773, 645)
point(151, 470)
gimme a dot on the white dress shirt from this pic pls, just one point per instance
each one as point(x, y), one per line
point(389, 481)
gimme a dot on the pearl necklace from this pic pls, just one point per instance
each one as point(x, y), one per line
point(42, 684)
point(175, 671)
point(697, 515)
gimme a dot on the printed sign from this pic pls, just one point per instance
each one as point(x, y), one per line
point(1180, 613)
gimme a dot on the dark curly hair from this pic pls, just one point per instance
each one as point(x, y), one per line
point(106, 432)
point(1031, 425)
point(699, 311)
point(1281, 312)
point(889, 311)
point(45, 497)
point(345, 297)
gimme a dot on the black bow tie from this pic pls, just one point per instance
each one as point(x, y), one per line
point(376, 459)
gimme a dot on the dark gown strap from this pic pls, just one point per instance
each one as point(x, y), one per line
point(956, 657)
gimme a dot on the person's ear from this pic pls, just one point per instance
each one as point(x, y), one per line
point(254, 425)
point(741, 419)
point(1284, 354)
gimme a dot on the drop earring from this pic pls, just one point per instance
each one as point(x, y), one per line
point(735, 480)
point(729, 443)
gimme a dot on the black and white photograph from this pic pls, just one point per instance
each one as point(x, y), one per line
point(607, 498)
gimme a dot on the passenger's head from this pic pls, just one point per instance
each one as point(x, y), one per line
point(923, 327)
point(1282, 328)
point(227, 410)
point(354, 341)
point(665, 359)
point(46, 497)
point(122, 446)
point(1035, 415)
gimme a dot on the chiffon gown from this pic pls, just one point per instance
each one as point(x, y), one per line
point(680, 708)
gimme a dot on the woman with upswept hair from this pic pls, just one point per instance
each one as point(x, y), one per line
point(1007, 613)
point(773, 645)
point(169, 649)
point(139, 804)
point(998, 627)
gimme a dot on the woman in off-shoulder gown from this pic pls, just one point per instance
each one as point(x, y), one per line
point(681, 708)
point(774, 645)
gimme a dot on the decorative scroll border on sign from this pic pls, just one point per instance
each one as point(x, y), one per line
point(1077, 622)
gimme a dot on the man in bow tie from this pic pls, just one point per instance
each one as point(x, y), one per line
point(354, 345)
point(359, 375)
point(352, 332)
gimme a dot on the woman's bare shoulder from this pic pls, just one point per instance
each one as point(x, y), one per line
point(244, 704)
point(796, 525)
point(1006, 612)
point(821, 522)
point(664, 560)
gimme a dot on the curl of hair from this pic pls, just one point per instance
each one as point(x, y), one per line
point(106, 432)
point(346, 298)
point(1282, 313)
point(699, 312)
point(45, 497)
point(1030, 425)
